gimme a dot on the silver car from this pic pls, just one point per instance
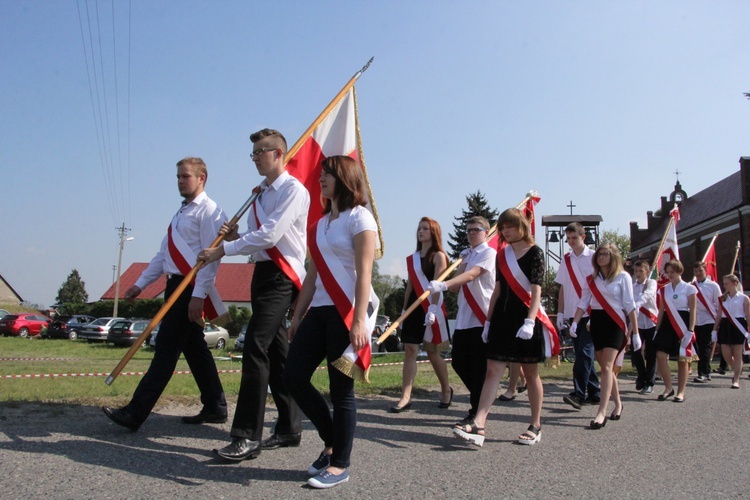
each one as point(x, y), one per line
point(216, 336)
point(97, 330)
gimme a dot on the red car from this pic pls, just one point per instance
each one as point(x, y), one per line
point(23, 325)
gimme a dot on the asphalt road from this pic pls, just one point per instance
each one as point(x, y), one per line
point(698, 449)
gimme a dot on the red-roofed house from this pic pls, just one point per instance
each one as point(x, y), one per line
point(232, 283)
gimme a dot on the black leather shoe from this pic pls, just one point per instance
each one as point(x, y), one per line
point(240, 449)
point(281, 441)
point(206, 417)
point(121, 417)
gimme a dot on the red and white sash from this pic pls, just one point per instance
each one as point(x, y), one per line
point(677, 323)
point(703, 300)
point(282, 254)
point(182, 255)
point(575, 275)
point(436, 333)
point(471, 299)
point(649, 314)
point(737, 325)
point(521, 286)
point(609, 305)
point(340, 286)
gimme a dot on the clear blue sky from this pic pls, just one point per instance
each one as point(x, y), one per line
point(595, 102)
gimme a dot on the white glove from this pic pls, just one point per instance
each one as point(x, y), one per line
point(572, 330)
point(527, 330)
point(686, 339)
point(714, 336)
point(560, 321)
point(437, 286)
point(430, 316)
point(637, 342)
point(486, 332)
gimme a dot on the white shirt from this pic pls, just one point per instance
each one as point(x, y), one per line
point(645, 296)
point(711, 292)
point(340, 235)
point(679, 295)
point(570, 297)
point(198, 222)
point(619, 289)
point(735, 305)
point(483, 256)
point(286, 203)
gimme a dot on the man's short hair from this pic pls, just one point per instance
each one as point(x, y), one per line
point(478, 219)
point(278, 140)
point(575, 227)
point(643, 263)
point(197, 165)
point(699, 264)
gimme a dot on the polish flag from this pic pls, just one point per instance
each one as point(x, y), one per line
point(710, 260)
point(670, 251)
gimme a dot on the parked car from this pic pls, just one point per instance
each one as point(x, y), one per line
point(126, 332)
point(24, 324)
point(67, 327)
point(239, 343)
point(392, 343)
point(3, 313)
point(216, 336)
point(97, 330)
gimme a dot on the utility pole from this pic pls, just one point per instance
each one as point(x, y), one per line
point(123, 231)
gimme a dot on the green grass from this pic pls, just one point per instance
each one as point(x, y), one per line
point(82, 357)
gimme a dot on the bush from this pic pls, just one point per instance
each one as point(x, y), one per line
point(239, 318)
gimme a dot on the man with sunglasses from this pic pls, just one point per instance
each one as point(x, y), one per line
point(474, 282)
point(276, 240)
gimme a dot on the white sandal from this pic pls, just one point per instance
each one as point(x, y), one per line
point(526, 437)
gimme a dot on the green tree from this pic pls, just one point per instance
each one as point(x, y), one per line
point(73, 290)
point(477, 205)
point(620, 240)
point(384, 286)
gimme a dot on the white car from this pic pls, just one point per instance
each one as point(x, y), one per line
point(216, 336)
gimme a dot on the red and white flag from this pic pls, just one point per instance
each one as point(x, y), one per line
point(337, 134)
point(670, 250)
point(710, 260)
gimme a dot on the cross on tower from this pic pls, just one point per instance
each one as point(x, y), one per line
point(677, 174)
point(571, 207)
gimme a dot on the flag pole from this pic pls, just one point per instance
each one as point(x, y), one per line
point(736, 256)
point(191, 275)
point(530, 195)
point(708, 249)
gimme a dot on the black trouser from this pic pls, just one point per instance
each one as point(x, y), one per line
point(324, 335)
point(704, 351)
point(177, 334)
point(470, 362)
point(644, 360)
point(264, 357)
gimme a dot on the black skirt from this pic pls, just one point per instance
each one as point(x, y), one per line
point(666, 339)
point(729, 334)
point(604, 331)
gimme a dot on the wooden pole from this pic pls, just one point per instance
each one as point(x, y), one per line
point(736, 255)
point(189, 278)
point(442, 277)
